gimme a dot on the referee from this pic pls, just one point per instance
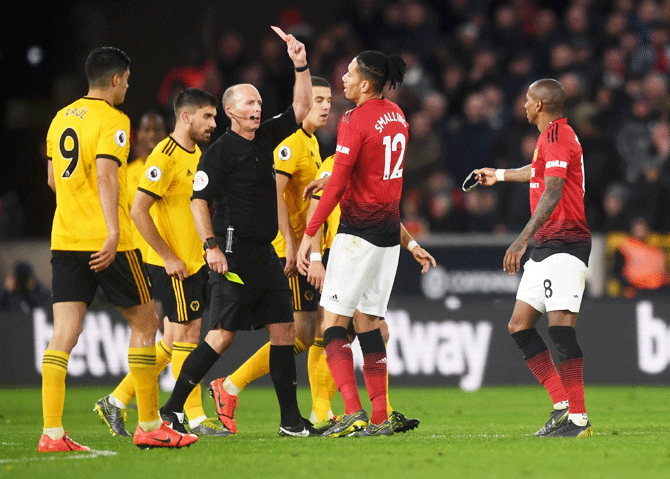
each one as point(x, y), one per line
point(247, 283)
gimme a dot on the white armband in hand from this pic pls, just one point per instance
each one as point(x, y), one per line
point(411, 245)
point(315, 257)
point(500, 174)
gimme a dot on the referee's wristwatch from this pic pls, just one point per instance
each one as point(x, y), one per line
point(210, 243)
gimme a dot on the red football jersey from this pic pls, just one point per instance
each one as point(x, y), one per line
point(558, 153)
point(367, 174)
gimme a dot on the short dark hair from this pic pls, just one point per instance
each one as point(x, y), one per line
point(318, 81)
point(379, 68)
point(103, 63)
point(194, 98)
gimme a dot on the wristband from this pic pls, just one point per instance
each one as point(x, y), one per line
point(302, 68)
point(500, 174)
point(315, 257)
point(411, 245)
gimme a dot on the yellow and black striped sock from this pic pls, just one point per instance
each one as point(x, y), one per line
point(193, 405)
point(54, 370)
point(142, 363)
point(125, 391)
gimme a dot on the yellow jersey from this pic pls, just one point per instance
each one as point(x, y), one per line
point(298, 158)
point(168, 177)
point(333, 221)
point(85, 130)
point(135, 170)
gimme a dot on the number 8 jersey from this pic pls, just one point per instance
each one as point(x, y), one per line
point(80, 133)
point(367, 174)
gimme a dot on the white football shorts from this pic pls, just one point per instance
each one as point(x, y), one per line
point(554, 284)
point(359, 275)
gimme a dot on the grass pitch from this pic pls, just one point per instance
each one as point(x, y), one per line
point(485, 434)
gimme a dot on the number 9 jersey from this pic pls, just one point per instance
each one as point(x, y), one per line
point(80, 133)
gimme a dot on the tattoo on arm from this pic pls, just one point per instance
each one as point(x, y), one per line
point(518, 175)
point(545, 207)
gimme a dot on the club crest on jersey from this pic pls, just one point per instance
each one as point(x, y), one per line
point(121, 138)
point(284, 153)
point(200, 181)
point(154, 173)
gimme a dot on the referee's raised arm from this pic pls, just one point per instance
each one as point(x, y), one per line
point(302, 91)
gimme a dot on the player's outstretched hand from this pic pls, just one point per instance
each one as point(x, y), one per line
point(424, 258)
point(486, 176)
point(314, 187)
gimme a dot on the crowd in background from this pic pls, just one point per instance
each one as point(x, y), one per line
point(469, 64)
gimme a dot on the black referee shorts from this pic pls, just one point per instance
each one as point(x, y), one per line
point(125, 282)
point(182, 301)
point(305, 296)
point(264, 298)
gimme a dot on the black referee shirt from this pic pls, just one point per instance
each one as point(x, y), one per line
point(239, 180)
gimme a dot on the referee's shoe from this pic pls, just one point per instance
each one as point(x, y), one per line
point(303, 429)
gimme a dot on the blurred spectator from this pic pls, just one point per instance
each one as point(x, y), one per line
point(515, 213)
point(435, 105)
point(652, 188)
point(506, 33)
point(633, 140)
point(655, 87)
point(613, 68)
point(573, 84)
point(561, 58)
point(22, 290)
point(468, 142)
point(482, 211)
point(495, 109)
point(640, 264)
point(519, 75)
point(411, 213)
point(484, 68)
point(454, 86)
point(424, 152)
point(616, 205)
point(545, 35)
point(230, 56)
point(602, 167)
point(195, 71)
point(506, 148)
point(444, 204)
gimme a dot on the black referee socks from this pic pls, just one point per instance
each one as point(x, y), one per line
point(284, 379)
point(196, 365)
